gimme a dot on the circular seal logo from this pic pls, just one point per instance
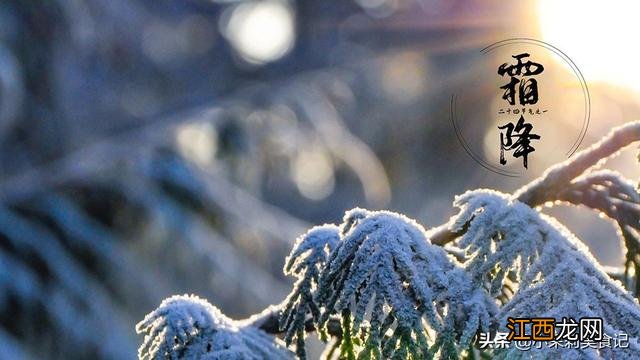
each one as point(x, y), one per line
point(526, 107)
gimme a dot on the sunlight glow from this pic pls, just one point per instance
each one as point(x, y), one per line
point(261, 31)
point(599, 36)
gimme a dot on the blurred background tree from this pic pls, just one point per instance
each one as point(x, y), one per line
point(149, 148)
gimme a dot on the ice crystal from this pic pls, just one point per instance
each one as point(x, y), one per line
point(187, 327)
point(552, 272)
point(385, 267)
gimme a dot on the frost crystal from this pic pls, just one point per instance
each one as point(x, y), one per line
point(551, 271)
point(187, 327)
point(385, 267)
point(305, 262)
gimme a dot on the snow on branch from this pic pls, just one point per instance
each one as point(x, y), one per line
point(307, 259)
point(385, 267)
point(616, 197)
point(554, 272)
point(397, 293)
point(188, 327)
point(558, 177)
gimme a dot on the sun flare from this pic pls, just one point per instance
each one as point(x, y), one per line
point(600, 37)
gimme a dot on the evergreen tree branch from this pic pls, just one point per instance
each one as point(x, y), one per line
point(558, 176)
point(546, 187)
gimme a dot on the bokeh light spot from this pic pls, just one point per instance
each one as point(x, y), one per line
point(261, 31)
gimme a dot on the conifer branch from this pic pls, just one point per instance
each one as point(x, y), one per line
point(546, 187)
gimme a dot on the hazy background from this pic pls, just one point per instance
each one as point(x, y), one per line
point(149, 148)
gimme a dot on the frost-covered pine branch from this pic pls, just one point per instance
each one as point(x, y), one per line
point(554, 274)
point(384, 268)
point(616, 197)
point(187, 327)
point(306, 261)
point(558, 177)
point(397, 293)
point(576, 181)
